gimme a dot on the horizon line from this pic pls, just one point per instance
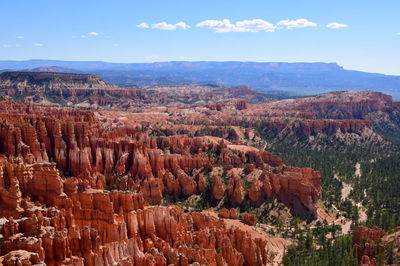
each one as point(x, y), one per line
point(197, 61)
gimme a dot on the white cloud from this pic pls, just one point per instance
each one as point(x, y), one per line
point(20, 37)
point(115, 44)
point(6, 45)
point(398, 33)
point(38, 44)
point(336, 25)
point(166, 26)
point(83, 36)
point(143, 25)
point(297, 23)
point(93, 33)
point(221, 26)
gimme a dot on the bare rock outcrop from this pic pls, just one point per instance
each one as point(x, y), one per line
point(97, 227)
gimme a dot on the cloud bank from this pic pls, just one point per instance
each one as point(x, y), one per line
point(221, 26)
point(248, 25)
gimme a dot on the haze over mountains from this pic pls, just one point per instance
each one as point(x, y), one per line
point(293, 78)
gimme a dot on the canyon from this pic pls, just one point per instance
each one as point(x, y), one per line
point(96, 174)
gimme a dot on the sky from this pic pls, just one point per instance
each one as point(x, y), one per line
point(357, 34)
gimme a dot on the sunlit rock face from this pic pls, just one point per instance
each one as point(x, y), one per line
point(128, 159)
point(59, 165)
point(95, 187)
point(47, 219)
point(367, 242)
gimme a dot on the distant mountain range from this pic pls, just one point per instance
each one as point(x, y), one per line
point(293, 78)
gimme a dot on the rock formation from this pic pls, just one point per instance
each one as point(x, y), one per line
point(248, 219)
point(366, 242)
point(240, 105)
point(48, 219)
point(86, 187)
point(127, 158)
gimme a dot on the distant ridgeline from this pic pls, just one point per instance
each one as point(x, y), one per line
point(89, 90)
point(57, 88)
point(41, 78)
point(296, 78)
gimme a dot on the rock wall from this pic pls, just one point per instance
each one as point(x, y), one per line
point(128, 159)
point(47, 219)
point(366, 241)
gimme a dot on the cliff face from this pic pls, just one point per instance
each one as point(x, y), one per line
point(336, 118)
point(45, 78)
point(48, 82)
point(52, 88)
point(91, 91)
point(76, 186)
point(339, 116)
point(332, 114)
point(345, 105)
point(52, 220)
point(366, 240)
point(127, 158)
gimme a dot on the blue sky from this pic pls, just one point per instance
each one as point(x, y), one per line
point(365, 38)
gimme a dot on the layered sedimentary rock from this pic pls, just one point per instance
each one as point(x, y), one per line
point(303, 183)
point(64, 85)
point(91, 91)
point(343, 105)
point(366, 241)
point(240, 105)
point(345, 117)
point(127, 158)
point(373, 246)
point(248, 218)
point(61, 180)
point(228, 214)
point(57, 224)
